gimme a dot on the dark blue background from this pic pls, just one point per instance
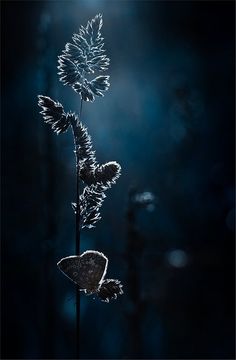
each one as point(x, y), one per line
point(168, 118)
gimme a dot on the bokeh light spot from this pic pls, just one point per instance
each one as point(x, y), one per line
point(177, 258)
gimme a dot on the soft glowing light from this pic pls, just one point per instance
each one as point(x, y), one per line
point(177, 258)
point(69, 307)
point(230, 220)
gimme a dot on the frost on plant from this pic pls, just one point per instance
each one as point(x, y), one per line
point(53, 114)
point(97, 178)
point(81, 59)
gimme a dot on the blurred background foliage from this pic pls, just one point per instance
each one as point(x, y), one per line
point(168, 118)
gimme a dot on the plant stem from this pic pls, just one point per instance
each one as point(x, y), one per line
point(80, 110)
point(77, 253)
point(77, 247)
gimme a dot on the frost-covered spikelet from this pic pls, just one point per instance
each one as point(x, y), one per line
point(85, 56)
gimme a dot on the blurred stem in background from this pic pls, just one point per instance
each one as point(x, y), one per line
point(48, 176)
point(135, 248)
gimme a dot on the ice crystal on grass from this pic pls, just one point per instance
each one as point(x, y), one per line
point(83, 57)
point(97, 178)
point(110, 289)
point(53, 114)
point(91, 200)
point(105, 174)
